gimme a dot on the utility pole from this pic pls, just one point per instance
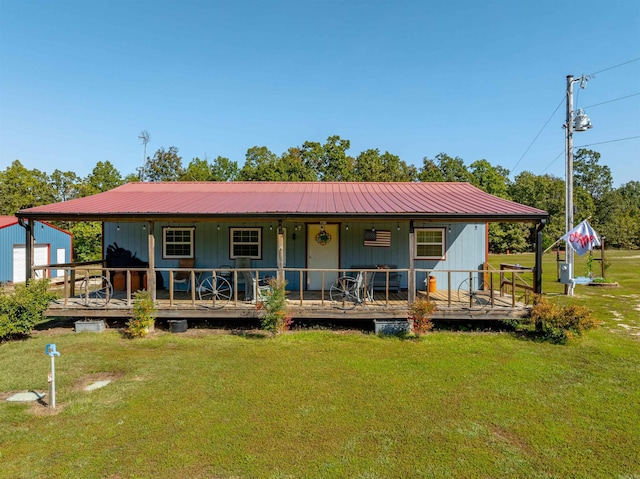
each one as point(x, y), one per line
point(579, 122)
point(569, 179)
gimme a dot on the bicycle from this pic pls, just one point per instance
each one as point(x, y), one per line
point(348, 291)
point(97, 291)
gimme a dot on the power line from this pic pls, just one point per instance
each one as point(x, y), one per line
point(552, 162)
point(610, 141)
point(611, 101)
point(584, 146)
point(615, 66)
point(534, 140)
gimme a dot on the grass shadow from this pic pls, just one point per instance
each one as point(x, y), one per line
point(476, 326)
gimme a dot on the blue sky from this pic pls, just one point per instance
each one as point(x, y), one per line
point(79, 80)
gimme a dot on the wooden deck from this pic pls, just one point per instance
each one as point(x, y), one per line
point(450, 306)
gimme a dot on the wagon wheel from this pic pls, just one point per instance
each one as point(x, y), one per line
point(96, 291)
point(468, 292)
point(218, 291)
point(344, 293)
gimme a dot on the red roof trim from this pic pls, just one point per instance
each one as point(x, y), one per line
point(6, 221)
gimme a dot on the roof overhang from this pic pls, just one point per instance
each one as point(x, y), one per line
point(219, 201)
point(136, 217)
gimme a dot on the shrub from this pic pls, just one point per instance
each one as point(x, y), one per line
point(144, 315)
point(274, 314)
point(561, 324)
point(420, 316)
point(22, 309)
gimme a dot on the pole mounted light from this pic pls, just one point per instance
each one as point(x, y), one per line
point(574, 122)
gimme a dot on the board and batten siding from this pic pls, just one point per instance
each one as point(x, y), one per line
point(212, 248)
point(465, 247)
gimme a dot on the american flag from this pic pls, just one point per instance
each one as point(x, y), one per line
point(377, 238)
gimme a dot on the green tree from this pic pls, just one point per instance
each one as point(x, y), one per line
point(329, 161)
point(453, 169)
point(618, 216)
point(630, 193)
point(370, 165)
point(590, 175)
point(430, 171)
point(512, 237)
point(103, 177)
point(87, 240)
point(489, 178)
point(223, 169)
point(260, 165)
point(545, 192)
point(495, 180)
point(131, 178)
point(66, 185)
point(444, 168)
point(197, 170)
point(166, 165)
point(23, 188)
point(291, 167)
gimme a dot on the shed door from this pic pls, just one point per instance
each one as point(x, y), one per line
point(40, 257)
point(323, 251)
point(61, 255)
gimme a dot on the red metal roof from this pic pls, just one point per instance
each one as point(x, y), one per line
point(7, 221)
point(190, 199)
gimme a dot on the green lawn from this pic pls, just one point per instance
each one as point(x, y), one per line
point(335, 404)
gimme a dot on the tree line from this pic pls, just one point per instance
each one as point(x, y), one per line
point(614, 212)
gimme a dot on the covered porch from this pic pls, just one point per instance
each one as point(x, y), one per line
point(487, 294)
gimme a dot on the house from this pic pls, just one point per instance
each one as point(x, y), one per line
point(308, 232)
point(51, 245)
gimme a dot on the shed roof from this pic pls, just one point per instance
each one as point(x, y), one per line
point(288, 199)
point(8, 221)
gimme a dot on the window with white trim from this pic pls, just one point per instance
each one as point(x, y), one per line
point(177, 242)
point(245, 243)
point(430, 243)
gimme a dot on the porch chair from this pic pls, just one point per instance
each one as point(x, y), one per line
point(182, 280)
point(366, 278)
point(252, 288)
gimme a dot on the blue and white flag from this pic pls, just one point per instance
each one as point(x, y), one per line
point(582, 238)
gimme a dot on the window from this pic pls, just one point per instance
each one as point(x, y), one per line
point(246, 242)
point(429, 243)
point(177, 242)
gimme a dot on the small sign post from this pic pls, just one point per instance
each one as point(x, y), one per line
point(52, 353)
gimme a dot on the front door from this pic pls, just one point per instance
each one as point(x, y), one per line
point(323, 252)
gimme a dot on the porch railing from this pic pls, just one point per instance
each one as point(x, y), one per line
point(482, 286)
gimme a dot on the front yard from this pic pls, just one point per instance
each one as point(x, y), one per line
point(332, 404)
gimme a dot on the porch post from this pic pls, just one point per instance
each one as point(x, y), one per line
point(537, 279)
point(151, 275)
point(280, 260)
point(411, 283)
point(28, 247)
